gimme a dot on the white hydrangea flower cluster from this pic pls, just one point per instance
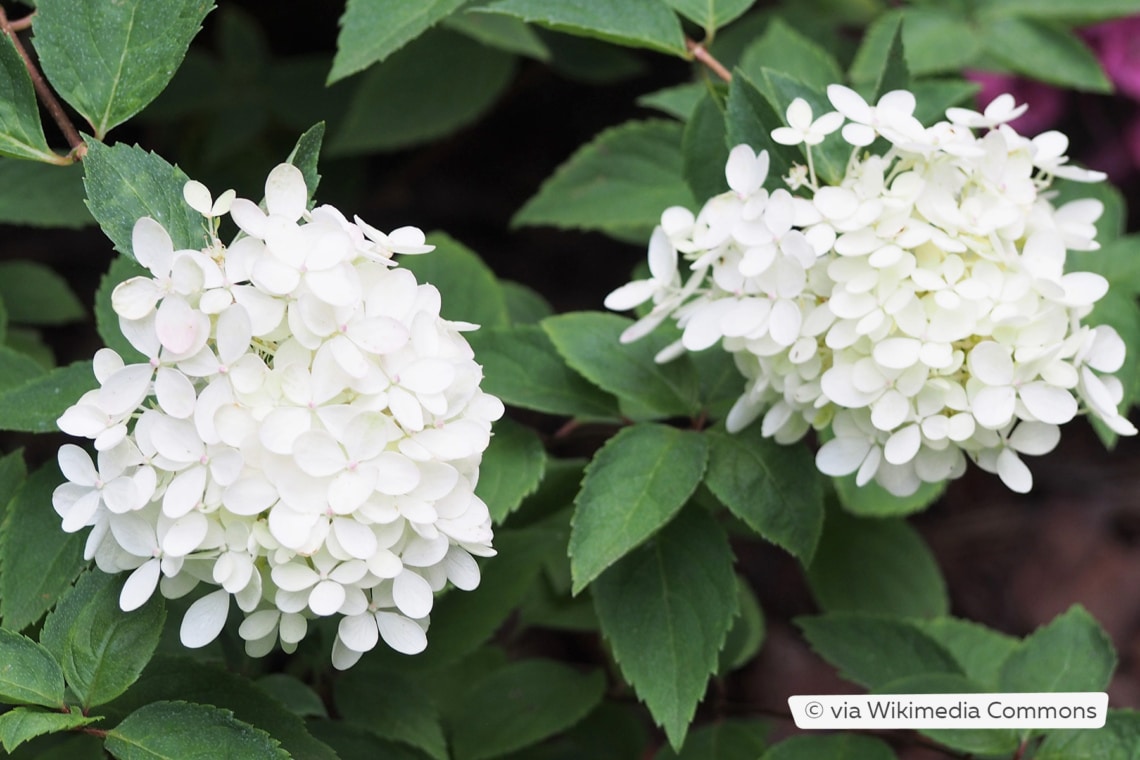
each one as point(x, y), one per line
point(917, 314)
point(305, 432)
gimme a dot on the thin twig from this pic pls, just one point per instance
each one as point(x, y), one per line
point(705, 57)
point(21, 24)
point(46, 96)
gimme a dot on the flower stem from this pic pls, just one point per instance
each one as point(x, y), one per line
point(705, 57)
point(43, 91)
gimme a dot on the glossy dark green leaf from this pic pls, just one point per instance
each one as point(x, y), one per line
point(189, 731)
point(371, 30)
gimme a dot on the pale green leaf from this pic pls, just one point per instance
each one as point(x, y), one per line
point(188, 731)
point(775, 489)
point(401, 710)
point(522, 367)
point(875, 565)
point(34, 294)
point(38, 560)
point(185, 678)
point(21, 724)
point(873, 650)
point(666, 610)
point(833, 747)
point(109, 60)
point(1040, 50)
point(125, 183)
point(1118, 739)
point(371, 30)
point(677, 101)
point(1071, 653)
point(635, 484)
point(783, 49)
point(622, 179)
point(502, 32)
point(463, 77)
point(633, 23)
point(590, 344)
point(710, 15)
point(28, 673)
point(35, 406)
point(41, 195)
point(511, 469)
point(727, 739)
point(469, 289)
point(520, 705)
point(21, 133)
point(980, 651)
point(703, 149)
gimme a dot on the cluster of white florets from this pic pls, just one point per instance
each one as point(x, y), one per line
point(916, 314)
point(305, 432)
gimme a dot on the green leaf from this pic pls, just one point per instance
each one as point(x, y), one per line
point(979, 651)
point(35, 406)
point(464, 78)
point(13, 472)
point(21, 134)
point(522, 367)
point(354, 743)
point(934, 96)
point(592, 62)
point(633, 23)
point(710, 15)
point(34, 294)
point(703, 149)
point(126, 183)
point(371, 30)
point(38, 561)
point(677, 101)
point(1073, 11)
point(21, 724)
point(893, 75)
point(520, 705)
point(400, 711)
point(500, 32)
point(875, 565)
point(611, 732)
point(469, 289)
point(1120, 310)
point(525, 306)
point(635, 484)
point(871, 57)
point(106, 320)
point(782, 48)
point(109, 60)
point(103, 649)
point(185, 678)
point(747, 632)
point(1071, 653)
point(30, 342)
point(590, 343)
point(775, 489)
point(28, 672)
point(750, 119)
point(511, 469)
point(188, 731)
point(305, 155)
point(294, 694)
point(16, 369)
point(730, 739)
point(872, 650)
point(938, 40)
point(621, 180)
point(833, 747)
point(666, 610)
point(41, 195)
point(1116, 740)
point(1046, 52)
point(872, 500)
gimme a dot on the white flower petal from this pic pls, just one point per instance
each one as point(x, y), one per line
point(205, 619)
point(400, 633)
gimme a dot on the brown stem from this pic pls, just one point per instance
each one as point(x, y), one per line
point(46, 96)
point(705, 57)
point(21, 24)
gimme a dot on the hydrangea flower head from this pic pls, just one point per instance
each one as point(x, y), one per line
point(304, 431)
point(917, 313)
